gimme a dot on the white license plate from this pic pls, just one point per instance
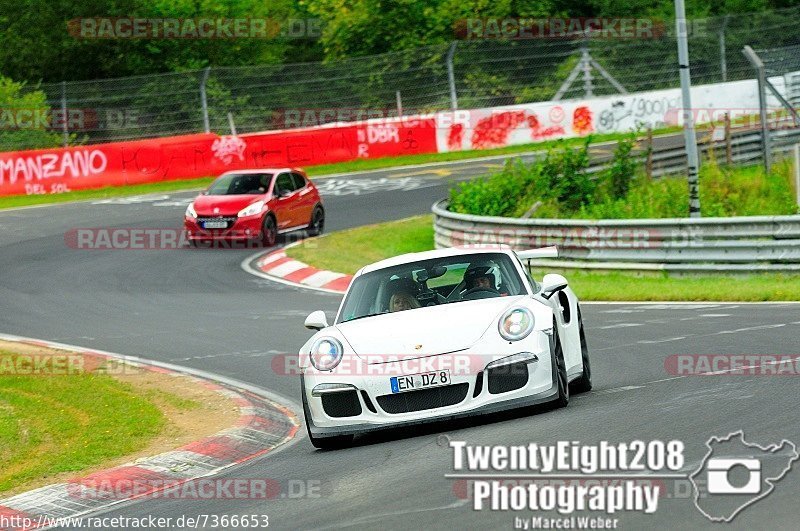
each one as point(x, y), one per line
point(215, 225)
point(414, 382)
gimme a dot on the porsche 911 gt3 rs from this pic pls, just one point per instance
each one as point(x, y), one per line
point(438, 335)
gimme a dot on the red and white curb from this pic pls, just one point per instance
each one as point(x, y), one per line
point(266, 422)
point(278, 267)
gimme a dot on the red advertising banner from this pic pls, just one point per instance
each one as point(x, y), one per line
point(60, 170)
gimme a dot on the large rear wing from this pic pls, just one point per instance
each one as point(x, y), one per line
point(544, 252)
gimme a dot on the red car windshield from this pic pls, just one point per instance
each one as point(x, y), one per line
point(241, 184)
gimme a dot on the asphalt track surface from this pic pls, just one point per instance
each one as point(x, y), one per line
point(198, 308)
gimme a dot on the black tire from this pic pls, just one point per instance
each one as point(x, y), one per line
point(584, 383)
point(323, 443)
point(269, 231)
point(317, 222)
point(561, 372)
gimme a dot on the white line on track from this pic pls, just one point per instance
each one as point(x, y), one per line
point(654, 341)
point(619, 325)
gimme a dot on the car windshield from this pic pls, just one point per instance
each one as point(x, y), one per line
point(430, 283)
point(240, 184)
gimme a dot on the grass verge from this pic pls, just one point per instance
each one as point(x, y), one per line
point(349, 250)
point(346, 251)
point(71, 416)
point(313, 171)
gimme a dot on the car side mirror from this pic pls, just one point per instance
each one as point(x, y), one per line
point(553, 283)
point(317, 320)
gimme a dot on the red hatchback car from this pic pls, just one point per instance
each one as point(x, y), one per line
point(255, 204)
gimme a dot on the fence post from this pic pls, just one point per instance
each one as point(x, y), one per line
point(586, 61)
point(690, 136)
point(723, 61)
point(766, 143)
point(203, 100)
point(451, 77)
point(231, 124)
point(797, 173)
point(399, 104)
point(64, 126)
point(649, 164)
point(728, 142)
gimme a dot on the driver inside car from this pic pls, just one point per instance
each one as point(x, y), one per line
point(479, 278)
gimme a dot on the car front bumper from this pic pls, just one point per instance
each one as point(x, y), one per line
point(246, 228)
point(515, 375)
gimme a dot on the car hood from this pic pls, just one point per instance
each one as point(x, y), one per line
point(438, 329)
point(228, 205)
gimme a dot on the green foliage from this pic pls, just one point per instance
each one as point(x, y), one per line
point(496, 195)
point(563, 189)
point(566, 179)
point(13, 130)
point(559, 181)
point(38, 46)
point(37, 43)
point(622, 168)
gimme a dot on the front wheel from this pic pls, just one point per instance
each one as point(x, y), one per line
point(561, 372)
point(269, 232)
point(317, 223)
point(584, 383)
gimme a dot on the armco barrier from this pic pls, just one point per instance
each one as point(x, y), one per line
point(757, 243)
point(183, 157)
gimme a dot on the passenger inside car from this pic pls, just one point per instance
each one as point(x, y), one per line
point(403, 301)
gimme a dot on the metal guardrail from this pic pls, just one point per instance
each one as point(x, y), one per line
point(746, 148)
point(745, 244)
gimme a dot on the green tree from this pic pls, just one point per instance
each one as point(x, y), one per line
point(38, 43)
point(19, 126)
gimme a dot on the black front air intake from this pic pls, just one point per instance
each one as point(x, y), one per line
point(435, 397)
point(341, 404)
point(507, 378)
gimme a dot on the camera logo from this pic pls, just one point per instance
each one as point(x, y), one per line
point(718, 481)
point(735, 474)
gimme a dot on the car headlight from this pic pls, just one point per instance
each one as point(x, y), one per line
point(190, 212)
point(326, 353)
point(252, 210)
point(516, 324)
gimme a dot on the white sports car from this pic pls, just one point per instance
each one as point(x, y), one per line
point(438, 335)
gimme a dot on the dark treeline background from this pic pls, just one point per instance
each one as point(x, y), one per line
point(35, 45)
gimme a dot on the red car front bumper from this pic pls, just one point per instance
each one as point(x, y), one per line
point(247, 228)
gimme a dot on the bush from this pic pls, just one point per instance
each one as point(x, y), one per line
point(563, 189)
point(622, 169)
point(495, 195)
point(560, 179)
